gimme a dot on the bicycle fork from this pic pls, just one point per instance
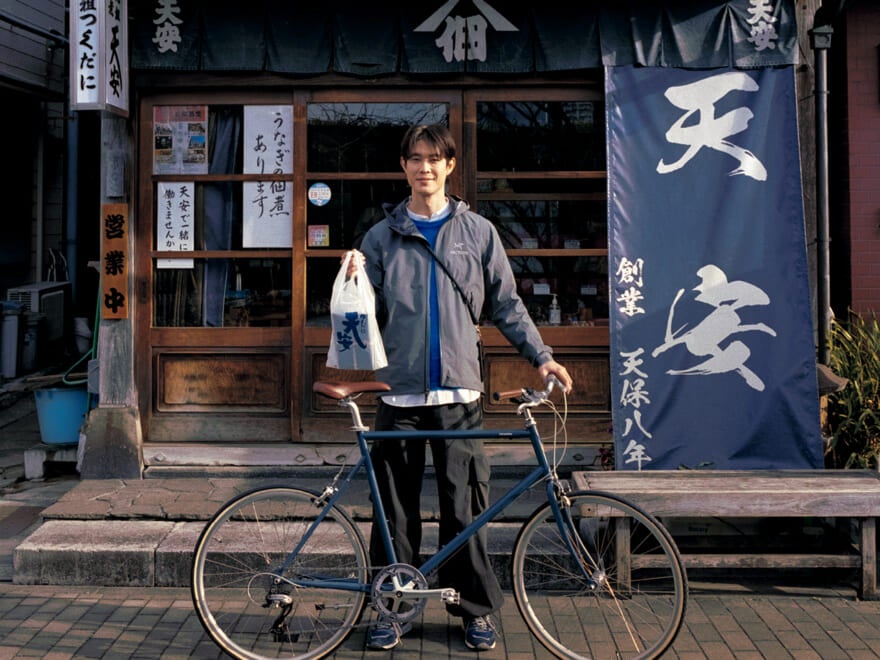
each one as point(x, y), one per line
point(588, 561)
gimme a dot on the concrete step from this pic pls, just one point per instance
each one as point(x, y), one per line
point(193, 498)
point(142, 532)
point(149, 553)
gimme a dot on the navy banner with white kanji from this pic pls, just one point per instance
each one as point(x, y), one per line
point(375, 39)
point(712, 353)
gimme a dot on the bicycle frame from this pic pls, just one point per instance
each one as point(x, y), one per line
point(364, 436)
point(254, 590)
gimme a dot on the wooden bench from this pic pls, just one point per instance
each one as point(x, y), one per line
point(853, 494)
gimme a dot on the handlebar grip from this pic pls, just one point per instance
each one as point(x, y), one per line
point(509, 394)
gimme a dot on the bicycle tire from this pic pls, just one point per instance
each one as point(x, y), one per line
point(599, 615)
point(239, 553)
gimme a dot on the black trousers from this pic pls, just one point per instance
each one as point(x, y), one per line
point(462, 469)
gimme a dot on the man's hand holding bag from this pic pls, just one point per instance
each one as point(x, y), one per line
point(356, 342)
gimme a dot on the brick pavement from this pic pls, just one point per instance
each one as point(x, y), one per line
point(723, 621)
point(772, 619)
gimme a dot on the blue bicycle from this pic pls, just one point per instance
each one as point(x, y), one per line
point(283, 572)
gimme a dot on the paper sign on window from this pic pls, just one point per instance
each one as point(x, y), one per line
point(174, 222)
point(319, 236)
point(268, 139)
point(267, 221)
point(180, 139)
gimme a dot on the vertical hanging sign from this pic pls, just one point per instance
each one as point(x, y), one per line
point(99, 56)
point(712, 357)
point(114, 261)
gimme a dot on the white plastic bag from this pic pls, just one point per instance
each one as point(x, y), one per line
point(355, 342)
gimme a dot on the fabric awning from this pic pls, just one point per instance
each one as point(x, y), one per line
point(457, 37)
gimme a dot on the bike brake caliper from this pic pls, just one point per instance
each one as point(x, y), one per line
point(329, 491)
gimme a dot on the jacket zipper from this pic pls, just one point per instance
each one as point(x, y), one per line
point(426, 374)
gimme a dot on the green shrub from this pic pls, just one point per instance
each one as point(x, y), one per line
point(853, 414)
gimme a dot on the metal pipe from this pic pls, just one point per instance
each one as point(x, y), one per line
point(71, 203)
point(821, 42)
point(39, 194)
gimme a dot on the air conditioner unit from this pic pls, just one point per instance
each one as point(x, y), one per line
point(49, 298)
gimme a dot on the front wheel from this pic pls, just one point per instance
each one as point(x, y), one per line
point(607, 582)
point(270, 581)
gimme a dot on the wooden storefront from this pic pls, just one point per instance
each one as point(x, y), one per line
point(233, 335)
point(263, 138)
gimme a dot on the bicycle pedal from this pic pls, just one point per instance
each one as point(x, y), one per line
point(450, 596)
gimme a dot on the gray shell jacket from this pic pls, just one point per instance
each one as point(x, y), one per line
point(398, 264)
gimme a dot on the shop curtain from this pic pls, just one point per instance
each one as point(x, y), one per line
point(369, 40)
point(220, 210)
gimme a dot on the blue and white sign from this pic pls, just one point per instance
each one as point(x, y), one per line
point(319, 194)
point(712, 354)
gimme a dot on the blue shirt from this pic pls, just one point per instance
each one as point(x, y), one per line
point(429, 229)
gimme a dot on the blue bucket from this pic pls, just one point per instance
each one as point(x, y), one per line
point(60, 413)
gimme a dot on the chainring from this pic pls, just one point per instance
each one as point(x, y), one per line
point(388, 603)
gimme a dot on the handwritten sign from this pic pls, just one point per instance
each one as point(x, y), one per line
point(268, 139)
point(174, 222)
point(267, 220)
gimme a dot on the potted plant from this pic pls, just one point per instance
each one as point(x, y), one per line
point(852, 420)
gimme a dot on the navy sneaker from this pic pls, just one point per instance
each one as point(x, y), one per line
point(479, 633)
point(384, 635)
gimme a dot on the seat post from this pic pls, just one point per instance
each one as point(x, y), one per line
point(348, 402)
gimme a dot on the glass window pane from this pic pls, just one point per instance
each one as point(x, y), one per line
point(223, 293)
point(580, 283)
point(505, 187)
point(348, 209)
point(320, 275)
point(364, 137)
point(544, 224)
point(546, 135)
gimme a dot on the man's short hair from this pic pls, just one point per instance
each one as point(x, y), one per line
point(437, 135)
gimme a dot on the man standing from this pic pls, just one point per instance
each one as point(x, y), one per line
point(426, 312)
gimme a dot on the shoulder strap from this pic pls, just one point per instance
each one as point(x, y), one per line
point(454, 283)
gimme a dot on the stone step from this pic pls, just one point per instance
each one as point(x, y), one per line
point(151, 553)
point(142, 532)
point(190, 498)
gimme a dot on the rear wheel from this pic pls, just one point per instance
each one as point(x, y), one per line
point(256, 598)
point(608, 582)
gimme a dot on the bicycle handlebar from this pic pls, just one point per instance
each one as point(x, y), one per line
point(528, 394)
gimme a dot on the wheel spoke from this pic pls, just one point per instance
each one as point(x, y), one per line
point(254, 600)
point(622, 594)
